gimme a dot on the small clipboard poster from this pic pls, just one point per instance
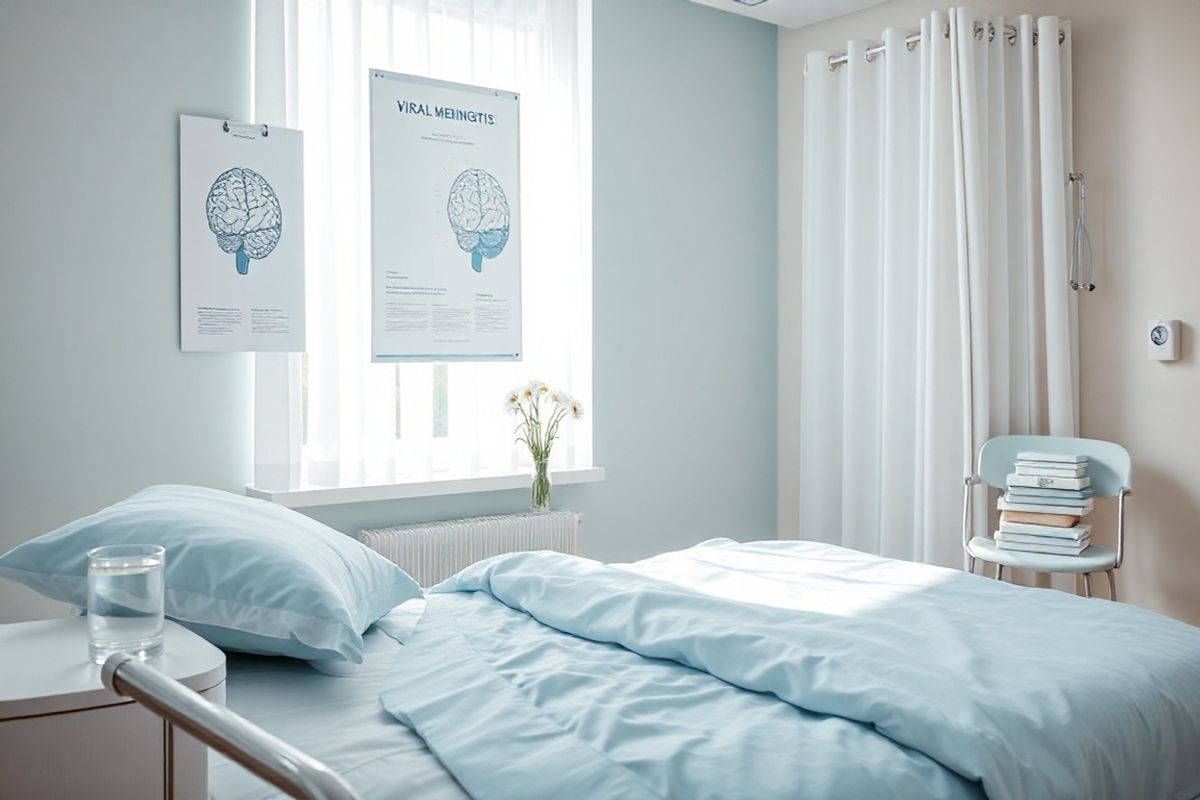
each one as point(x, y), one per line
point(241, 237)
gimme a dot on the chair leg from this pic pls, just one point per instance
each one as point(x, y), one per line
point(1112, 585)
point(1087, 584)
point(971, 564)
point(999, 572)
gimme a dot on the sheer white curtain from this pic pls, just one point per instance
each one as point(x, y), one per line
point(376, 423)
point(935, 309)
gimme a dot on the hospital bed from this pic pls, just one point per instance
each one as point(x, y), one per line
point(290, 730)
point(760, 669)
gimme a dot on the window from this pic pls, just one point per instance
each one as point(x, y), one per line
point(358, 422)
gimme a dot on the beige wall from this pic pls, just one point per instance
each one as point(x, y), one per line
point(1137, 137)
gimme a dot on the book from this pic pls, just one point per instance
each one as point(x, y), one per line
point(1019, 496)
point(1038, 508)
point(1035, 468)
point(1045, 520)
point(1025, 538)
point(1056, 534)
point(1078, 494)
point(1062, 458)
point(1042, 482)
point(1005, 543)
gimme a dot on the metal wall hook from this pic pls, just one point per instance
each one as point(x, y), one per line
point(1082, 266)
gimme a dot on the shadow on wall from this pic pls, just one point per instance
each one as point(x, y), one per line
point(1154, 539)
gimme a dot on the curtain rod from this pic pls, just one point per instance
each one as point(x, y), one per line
point(911, 41)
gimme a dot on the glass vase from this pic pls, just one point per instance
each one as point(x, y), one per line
point(539, 493)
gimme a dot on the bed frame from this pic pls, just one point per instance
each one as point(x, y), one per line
point(267, 756)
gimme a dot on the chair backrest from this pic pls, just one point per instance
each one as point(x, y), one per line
point(1109, 465)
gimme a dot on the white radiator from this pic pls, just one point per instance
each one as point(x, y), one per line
point(433, 551)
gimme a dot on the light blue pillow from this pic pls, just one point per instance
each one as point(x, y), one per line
point(243, 573)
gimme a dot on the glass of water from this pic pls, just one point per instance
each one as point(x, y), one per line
point(125, 601)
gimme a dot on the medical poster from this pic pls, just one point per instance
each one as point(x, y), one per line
point(241, 237)
point(445, 221)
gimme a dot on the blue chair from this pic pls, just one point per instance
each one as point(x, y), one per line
point(1109, 467)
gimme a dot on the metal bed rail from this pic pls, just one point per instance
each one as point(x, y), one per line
point(267, 756)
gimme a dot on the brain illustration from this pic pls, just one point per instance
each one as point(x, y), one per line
point(478, 212)
point(243, 212)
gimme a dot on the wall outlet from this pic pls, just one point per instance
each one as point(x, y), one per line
point(1162, 338)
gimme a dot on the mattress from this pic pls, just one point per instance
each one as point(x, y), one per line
point(337, 720)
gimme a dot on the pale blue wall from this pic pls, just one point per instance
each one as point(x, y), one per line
point(684, 148)
point(99, 401)
point(684, 277)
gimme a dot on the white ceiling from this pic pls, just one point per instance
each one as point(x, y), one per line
point(792, 13)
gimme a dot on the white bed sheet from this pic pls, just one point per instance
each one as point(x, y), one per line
point(337, 720)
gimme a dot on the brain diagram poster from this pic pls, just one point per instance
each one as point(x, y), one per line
point(445, 221)
point(241, 237)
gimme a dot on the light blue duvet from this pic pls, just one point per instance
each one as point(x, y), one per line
point(793, 669)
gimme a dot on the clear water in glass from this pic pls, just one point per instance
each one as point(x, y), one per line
point(125, 601)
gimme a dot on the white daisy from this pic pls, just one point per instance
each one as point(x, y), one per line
point(576, 408)
point(512, 401)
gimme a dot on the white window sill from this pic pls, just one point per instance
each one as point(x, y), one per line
point(309, 495)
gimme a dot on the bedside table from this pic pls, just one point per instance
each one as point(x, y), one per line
point(62, 734)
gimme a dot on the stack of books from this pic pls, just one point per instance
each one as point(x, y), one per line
point(1048, 496)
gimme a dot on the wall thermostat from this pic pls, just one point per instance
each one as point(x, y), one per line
point(1162, 337)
